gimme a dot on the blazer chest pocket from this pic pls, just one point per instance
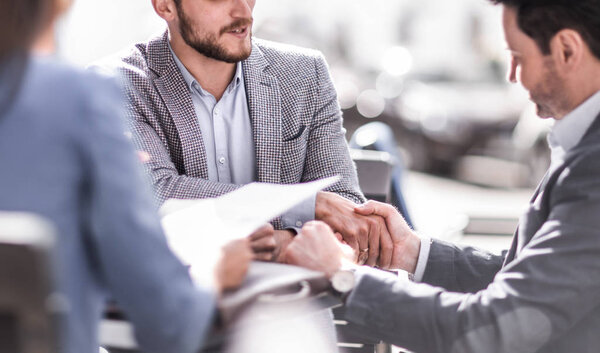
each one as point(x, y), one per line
point(295, 135)
point(293, 155)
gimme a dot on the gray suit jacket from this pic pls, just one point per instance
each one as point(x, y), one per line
point(295, 117)
point(543, 295)
point(64, 156)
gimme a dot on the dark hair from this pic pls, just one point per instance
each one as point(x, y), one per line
point(20, 22)
point(542, 19)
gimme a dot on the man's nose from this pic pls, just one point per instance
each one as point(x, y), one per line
point(242, 8)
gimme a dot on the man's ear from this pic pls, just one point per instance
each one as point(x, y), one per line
point(567, 48)
point(166, 9)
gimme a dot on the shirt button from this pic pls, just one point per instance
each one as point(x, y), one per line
point(222, 160)
point(217, 111)
point(298, 224)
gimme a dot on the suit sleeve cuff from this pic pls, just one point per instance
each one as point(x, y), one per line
point(423, 257)
point(299, 214)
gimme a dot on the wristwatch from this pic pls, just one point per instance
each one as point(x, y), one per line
point(343, 281)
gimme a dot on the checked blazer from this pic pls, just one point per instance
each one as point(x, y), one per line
point(294, 113)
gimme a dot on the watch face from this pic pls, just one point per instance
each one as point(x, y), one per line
point(343, 281)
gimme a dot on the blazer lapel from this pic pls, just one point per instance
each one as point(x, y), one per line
point(175, 93)
point(536, 213)
point(264, 105)
point(520, 237)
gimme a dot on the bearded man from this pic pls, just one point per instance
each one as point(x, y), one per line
point(542, 295)
point(215, 109)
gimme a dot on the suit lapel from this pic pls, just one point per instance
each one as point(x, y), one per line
point(264, 105)
point(536, 214)
point(175, 93)
point(519, 236)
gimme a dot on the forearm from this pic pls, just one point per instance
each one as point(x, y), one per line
point(424, 318)
point(460, 268)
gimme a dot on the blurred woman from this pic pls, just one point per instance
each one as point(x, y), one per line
point(64, 156)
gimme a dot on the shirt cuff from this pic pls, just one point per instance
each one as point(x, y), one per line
point(299, 214)
point(423, 257)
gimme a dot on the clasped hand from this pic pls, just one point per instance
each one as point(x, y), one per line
point(366, 233)
point(375, 231)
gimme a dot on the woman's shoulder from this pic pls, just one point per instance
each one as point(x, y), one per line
point(65, 89)
point(62, 79)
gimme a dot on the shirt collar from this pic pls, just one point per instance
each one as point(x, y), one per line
point(238, 78)
point(568, 131)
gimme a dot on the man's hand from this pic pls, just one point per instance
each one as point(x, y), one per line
point(282, 239)
point(269, 244)
point(233, 264)
point(263, 243)
point(317, 248)
point(367, 234)
point(406, 243)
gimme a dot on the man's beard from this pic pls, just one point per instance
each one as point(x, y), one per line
point(549, 95)
point(208, 46)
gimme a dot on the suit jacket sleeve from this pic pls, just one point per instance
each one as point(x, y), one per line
point(551, 285)
point(460, 268)
point(327, 150)
point(126, 240)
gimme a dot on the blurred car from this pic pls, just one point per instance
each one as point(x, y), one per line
point(450, 118)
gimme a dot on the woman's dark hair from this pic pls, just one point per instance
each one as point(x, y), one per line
point(542, 19)
point(20, 23)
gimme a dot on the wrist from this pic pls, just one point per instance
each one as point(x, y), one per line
point(342, 265)
point(320, 208)
point(409, 256)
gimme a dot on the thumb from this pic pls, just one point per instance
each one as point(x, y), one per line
point(365, 209)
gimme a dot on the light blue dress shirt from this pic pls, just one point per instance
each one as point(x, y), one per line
point(229, 141)
point(566, 134)
point(568, 131)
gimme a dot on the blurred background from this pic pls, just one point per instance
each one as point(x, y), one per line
point(433, 70)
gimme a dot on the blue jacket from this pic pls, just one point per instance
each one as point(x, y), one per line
point(64, 154)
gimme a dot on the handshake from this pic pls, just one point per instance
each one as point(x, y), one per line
point(372, 234)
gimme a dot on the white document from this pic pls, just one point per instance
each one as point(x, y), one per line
point(196, 229)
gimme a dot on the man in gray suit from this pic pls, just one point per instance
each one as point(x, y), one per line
point(215, 109)
point(543, 295)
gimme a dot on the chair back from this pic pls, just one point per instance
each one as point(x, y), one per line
point(26, 300)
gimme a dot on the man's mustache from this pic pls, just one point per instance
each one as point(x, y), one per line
point(242, 22)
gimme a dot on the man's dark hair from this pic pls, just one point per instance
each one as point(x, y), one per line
point(542, 19)
point(20, 22)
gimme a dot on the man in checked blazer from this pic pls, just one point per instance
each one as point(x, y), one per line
point(212, 109)
point(543, 294)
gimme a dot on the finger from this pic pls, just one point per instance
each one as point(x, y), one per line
point(362, 257)
point(351, 240)
point(374, 207)
point(266, 230)
point(374, 235)
point(386, 248)
point(236, 246)
point(263, 256)
point(263, 244)
point(365, 209)
point(349, 253)
point(364, 228)
point(339, 236)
